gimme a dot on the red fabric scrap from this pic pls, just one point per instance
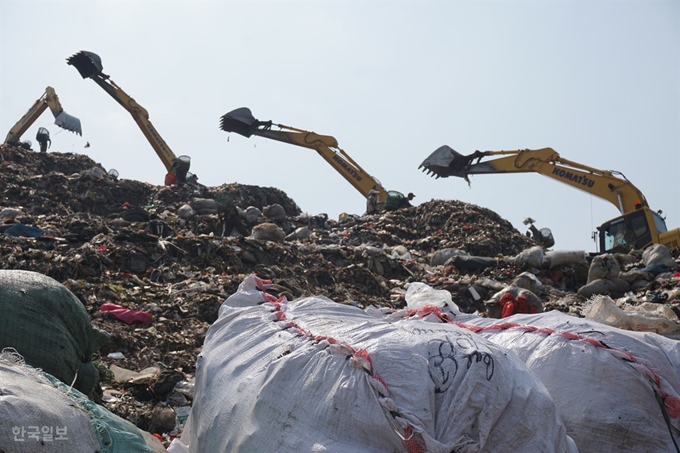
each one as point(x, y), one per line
point(126, 315)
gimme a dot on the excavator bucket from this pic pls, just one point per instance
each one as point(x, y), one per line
point(68, 122)
point(445, 162)
point(87, 63)
point(240, 121)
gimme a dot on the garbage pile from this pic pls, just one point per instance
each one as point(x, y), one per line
point(151, 268)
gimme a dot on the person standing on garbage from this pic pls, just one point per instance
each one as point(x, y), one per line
point(396, 200)
point(43, 137)
point(372, 202)
point(229, 217)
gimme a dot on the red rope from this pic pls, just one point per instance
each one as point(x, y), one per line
point(412, 443)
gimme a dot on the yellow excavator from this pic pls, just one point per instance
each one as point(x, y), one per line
point(62, 119)
point(242, 122)
point(89, 65)
point(636, 228)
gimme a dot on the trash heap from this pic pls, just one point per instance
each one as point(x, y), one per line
point(151, 268)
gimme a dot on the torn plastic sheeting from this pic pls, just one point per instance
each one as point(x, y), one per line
point(21, 230)
point(126, 315)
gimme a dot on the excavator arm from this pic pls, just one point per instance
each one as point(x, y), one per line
point(61, 118)
point(89, 65)
point(242, 122)
point(637, 227)
point(608, 185)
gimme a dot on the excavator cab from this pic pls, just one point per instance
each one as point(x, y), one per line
point(87, 63)
point(630, 231)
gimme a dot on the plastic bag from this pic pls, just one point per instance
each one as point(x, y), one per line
point(419, 295)
point(603, 309)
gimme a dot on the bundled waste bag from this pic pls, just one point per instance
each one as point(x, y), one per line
point(40, 413)
point(616, 390)
point(316, 375)
point(49, 327)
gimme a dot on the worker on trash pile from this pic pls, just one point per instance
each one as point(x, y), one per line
point(178, 172)
point(43, 137)
point(396, 200)
point(372, 202)
point(406, 202)
point(230, 217)
point(543, 236)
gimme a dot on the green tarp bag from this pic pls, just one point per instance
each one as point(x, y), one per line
point(47, 324)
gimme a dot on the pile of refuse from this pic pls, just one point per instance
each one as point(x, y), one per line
point(146, 273)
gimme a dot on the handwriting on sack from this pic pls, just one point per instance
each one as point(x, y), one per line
point(443, 358)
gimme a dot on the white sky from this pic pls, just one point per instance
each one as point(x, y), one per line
point(598, 81)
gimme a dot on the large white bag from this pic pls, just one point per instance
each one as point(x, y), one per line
point(313, 375)
point(607, 383)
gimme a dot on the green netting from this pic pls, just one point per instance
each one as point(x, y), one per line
point(116, 435)
point(49, 327)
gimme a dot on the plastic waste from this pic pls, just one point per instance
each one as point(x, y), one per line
point(418, 295)
point(648, 318)
point(126, 315)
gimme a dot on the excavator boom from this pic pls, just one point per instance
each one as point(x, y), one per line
point(89, 65)
point(612, 186)
point(61, 118)
point(642, 226)
point(242, 122)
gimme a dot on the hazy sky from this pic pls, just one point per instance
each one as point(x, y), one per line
point(598, 81)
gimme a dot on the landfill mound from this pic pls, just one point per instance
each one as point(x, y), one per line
point(82, 227)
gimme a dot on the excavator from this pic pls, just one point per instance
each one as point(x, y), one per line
point(89, 65)
point(62, 119)
point(242, 122)
point(637, 227)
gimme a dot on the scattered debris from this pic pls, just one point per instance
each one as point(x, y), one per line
point(180, 271)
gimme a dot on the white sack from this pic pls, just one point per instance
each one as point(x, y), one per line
point(555, 258)
point(313, 375)
point(28, 399)
point(275, 212)
point(603, 267)
point(186, 212)
point(442, 256)
point(252, 214)
point(658, 254)
point(604, 394)
point(652, 318)
point(268, 232)
point(533, 257)
point(204, 206)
